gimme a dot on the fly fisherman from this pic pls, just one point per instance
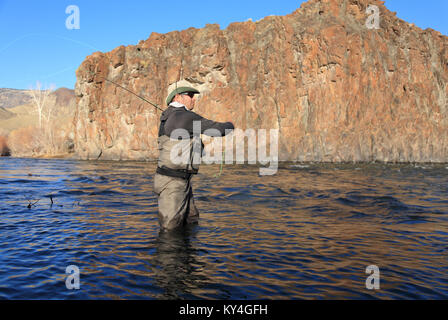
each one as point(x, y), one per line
point(180, 151)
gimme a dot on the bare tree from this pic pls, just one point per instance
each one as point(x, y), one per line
point(48, 126)
point(39, 100)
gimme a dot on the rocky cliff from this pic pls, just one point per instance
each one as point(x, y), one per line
point(336, 90)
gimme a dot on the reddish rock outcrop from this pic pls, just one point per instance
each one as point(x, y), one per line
point(336, 90)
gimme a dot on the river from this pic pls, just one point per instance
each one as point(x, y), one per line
point(308, 232)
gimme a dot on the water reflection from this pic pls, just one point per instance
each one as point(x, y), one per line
point(177, 265)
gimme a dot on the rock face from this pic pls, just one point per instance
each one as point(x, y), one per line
point(336, 89)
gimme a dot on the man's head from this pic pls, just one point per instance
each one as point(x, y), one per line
point(182, 94)
point(186, 98)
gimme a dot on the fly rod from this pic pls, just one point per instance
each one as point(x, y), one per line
point(153, 104)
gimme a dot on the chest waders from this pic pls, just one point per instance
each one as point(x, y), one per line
point(178, 161)
point(180, 154)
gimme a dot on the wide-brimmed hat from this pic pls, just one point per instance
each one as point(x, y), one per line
point(179, 88)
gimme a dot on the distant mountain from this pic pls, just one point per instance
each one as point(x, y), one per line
point(64, 96)
point(10, 98)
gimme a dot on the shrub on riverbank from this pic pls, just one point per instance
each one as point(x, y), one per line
point(4, 149)
point(35, 142)
point(25, 141)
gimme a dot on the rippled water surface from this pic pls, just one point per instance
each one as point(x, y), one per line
point(308, 232)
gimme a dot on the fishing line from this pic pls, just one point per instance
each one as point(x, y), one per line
point(153, 104)
point(222, 165)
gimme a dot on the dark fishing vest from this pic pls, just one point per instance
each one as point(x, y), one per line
point(180, 154)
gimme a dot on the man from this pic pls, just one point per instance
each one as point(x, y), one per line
point(179, 159)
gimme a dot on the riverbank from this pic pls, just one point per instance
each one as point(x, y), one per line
point(77, 158)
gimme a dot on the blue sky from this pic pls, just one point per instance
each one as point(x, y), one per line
point(36, 45)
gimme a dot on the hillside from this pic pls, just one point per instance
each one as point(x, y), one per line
point(19, 122)
point(10, 98)
point(5, 114)
point(19, 111)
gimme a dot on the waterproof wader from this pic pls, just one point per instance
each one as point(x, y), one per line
point(176, 204)
point(172, 182)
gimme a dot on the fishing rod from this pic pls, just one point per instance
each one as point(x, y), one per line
point(153, 104)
